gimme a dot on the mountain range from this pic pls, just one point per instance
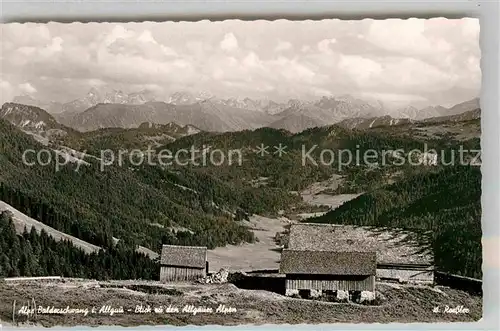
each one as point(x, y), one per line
point(204, 115)
point(93, 97)
point(114, 108)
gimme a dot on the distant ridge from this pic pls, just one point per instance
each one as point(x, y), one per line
point(205, 116)
point(208, 113)
point(368, 123)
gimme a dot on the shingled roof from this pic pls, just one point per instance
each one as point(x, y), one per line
point(391, 245)
point(183, 256)
point(328, 263)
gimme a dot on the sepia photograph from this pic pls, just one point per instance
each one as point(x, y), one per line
point(240, 172)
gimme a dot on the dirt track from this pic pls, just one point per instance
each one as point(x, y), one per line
point(399, 304)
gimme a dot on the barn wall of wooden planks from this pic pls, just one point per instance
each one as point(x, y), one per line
point(410, 276)
point(170, 274)
point(296, 282)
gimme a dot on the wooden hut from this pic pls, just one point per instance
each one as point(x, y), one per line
point(401, 256)
point(322, 271)
point(183, 263)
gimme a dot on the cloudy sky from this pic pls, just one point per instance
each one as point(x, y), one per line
point(433, 61)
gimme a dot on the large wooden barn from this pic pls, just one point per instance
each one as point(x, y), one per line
point(183, 263)
point(323, 271)
point(401, 256)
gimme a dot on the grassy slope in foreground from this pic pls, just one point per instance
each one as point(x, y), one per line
point(405, 304)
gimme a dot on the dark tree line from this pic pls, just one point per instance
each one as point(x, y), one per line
point(98, 234)
point(38, 254)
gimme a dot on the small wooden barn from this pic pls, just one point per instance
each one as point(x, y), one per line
point(328, 271)
point(183, 263)
point(400, 253)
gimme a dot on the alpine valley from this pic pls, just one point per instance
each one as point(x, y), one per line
point(145, 206)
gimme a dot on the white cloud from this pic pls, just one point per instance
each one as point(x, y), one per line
point(252, 60)
point(26, 34)
point(147, 37)
point(414, 74)
point(118, 32)
point(365, 72)
point(470, 29)
point(324, 45)
point(27, 88)
point(283, 46)
point(95, 82)
point(26, 50)
point(54, 47)
point(5, 84)
point(395, 100)
point(229, 43)
point(6, 91)
point(403, 38)
point(282, 58)
point(428, 39)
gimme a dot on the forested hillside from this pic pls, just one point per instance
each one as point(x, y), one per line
point(38, 254)
point(447, 203)
point(345, 155)
point(144, 136)
point(138, 205)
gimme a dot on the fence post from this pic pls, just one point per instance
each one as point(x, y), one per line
point(34, 309)
point(14, 312)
